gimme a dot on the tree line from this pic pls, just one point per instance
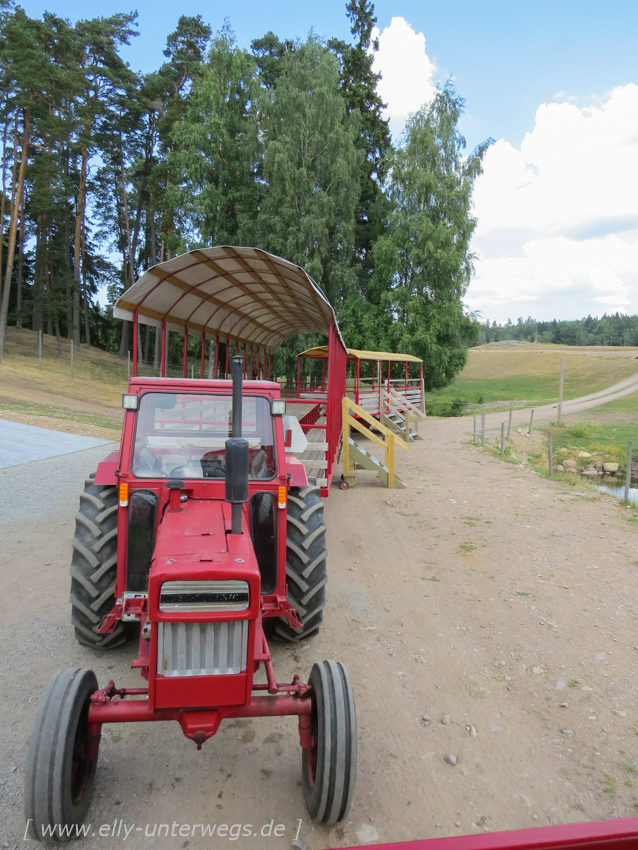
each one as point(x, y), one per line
point(616, 329)
point(106, 172)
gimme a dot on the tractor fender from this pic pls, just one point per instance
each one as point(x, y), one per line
point(106, 469)
point(297, 470)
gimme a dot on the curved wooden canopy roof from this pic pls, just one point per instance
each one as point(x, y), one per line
point(240, 294)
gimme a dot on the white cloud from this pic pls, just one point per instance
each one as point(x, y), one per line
point(407, 71)
point(558, 218)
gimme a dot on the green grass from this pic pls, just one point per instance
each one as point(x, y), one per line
point(32, 409)
point(531, 374)
point(604, 441)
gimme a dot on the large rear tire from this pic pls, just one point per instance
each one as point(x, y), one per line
point(329, 765)
point(94, 566)
point(62, 758)
point(305, 562)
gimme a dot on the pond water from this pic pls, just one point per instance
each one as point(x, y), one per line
point(616, 487)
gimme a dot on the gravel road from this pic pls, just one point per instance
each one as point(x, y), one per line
point(488, 620)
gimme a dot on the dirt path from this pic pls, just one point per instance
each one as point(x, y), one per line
point(623, 388)
point(480, 596)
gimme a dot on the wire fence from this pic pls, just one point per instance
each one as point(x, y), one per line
point(59, 357)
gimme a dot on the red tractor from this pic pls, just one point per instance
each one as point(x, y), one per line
point(206, 532)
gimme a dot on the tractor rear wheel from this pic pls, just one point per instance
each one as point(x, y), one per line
point(62, 758)
point(305, 562)
point(329, 765)
point(94, 566)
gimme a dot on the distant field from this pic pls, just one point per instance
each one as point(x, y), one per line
point(530, 373)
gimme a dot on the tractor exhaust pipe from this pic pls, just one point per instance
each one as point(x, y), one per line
point(236, 453)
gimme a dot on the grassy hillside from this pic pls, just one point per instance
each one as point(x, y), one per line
point(529, 373)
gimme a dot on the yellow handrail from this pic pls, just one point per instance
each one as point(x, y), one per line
point(387, 444)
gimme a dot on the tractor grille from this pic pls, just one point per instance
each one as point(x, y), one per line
point(202, 649)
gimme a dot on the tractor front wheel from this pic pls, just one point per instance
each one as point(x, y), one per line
point(305, 562)
point(62, 758)
point(94, 566)
point(329, 764)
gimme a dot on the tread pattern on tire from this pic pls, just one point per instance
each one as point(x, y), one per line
point(47, 799)
point(329, 799)
point(305, 562)
point(94, 566)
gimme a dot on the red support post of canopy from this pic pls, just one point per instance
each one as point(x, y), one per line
point(270, 364)
point(163, 358)
point(227, 355)
point(357, 377)
point(298, 374)
point(201, 368)
point(244, 364)
point(323, 375)
point(421, 399)
point(136, 330)
point(406, 381)
point(216, 357)
point(185, 355)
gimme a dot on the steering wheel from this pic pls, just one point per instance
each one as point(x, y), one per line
point(178, 472)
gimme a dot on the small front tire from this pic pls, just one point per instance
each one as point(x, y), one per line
point(329, 764)
point(62, 758)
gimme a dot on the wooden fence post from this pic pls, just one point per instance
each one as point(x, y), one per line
point(531, 419)
point(502, 437)
point(483, 430)
point(560, 390)
point(549, 456)
point(628, 475)
point(509, 425)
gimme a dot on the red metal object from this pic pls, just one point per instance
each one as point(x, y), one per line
point(106, 470)
point(337, 359)
point(136, 330)
point(185, 355)
point(203, 358)
point(163, 359)
point(601, 835)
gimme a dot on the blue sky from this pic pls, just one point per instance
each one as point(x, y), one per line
point(506, 57)
point(554, 83)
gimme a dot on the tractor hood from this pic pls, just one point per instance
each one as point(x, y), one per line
point(195, 544)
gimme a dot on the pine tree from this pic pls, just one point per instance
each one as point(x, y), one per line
point(426, 253)
point(359, 87)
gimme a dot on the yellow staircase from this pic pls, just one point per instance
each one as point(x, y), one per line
point(355, 455)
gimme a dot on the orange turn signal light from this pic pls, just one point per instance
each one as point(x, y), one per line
point(123, 495)
point(281, 497)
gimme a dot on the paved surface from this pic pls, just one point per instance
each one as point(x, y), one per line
point(24, 443)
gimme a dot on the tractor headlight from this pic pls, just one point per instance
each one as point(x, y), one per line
point(130, 401)
point(202, 596)
point(278, 406)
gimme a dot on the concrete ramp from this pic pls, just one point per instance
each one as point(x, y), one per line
point(23, 443)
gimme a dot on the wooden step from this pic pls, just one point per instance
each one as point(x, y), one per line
point(368, 461)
